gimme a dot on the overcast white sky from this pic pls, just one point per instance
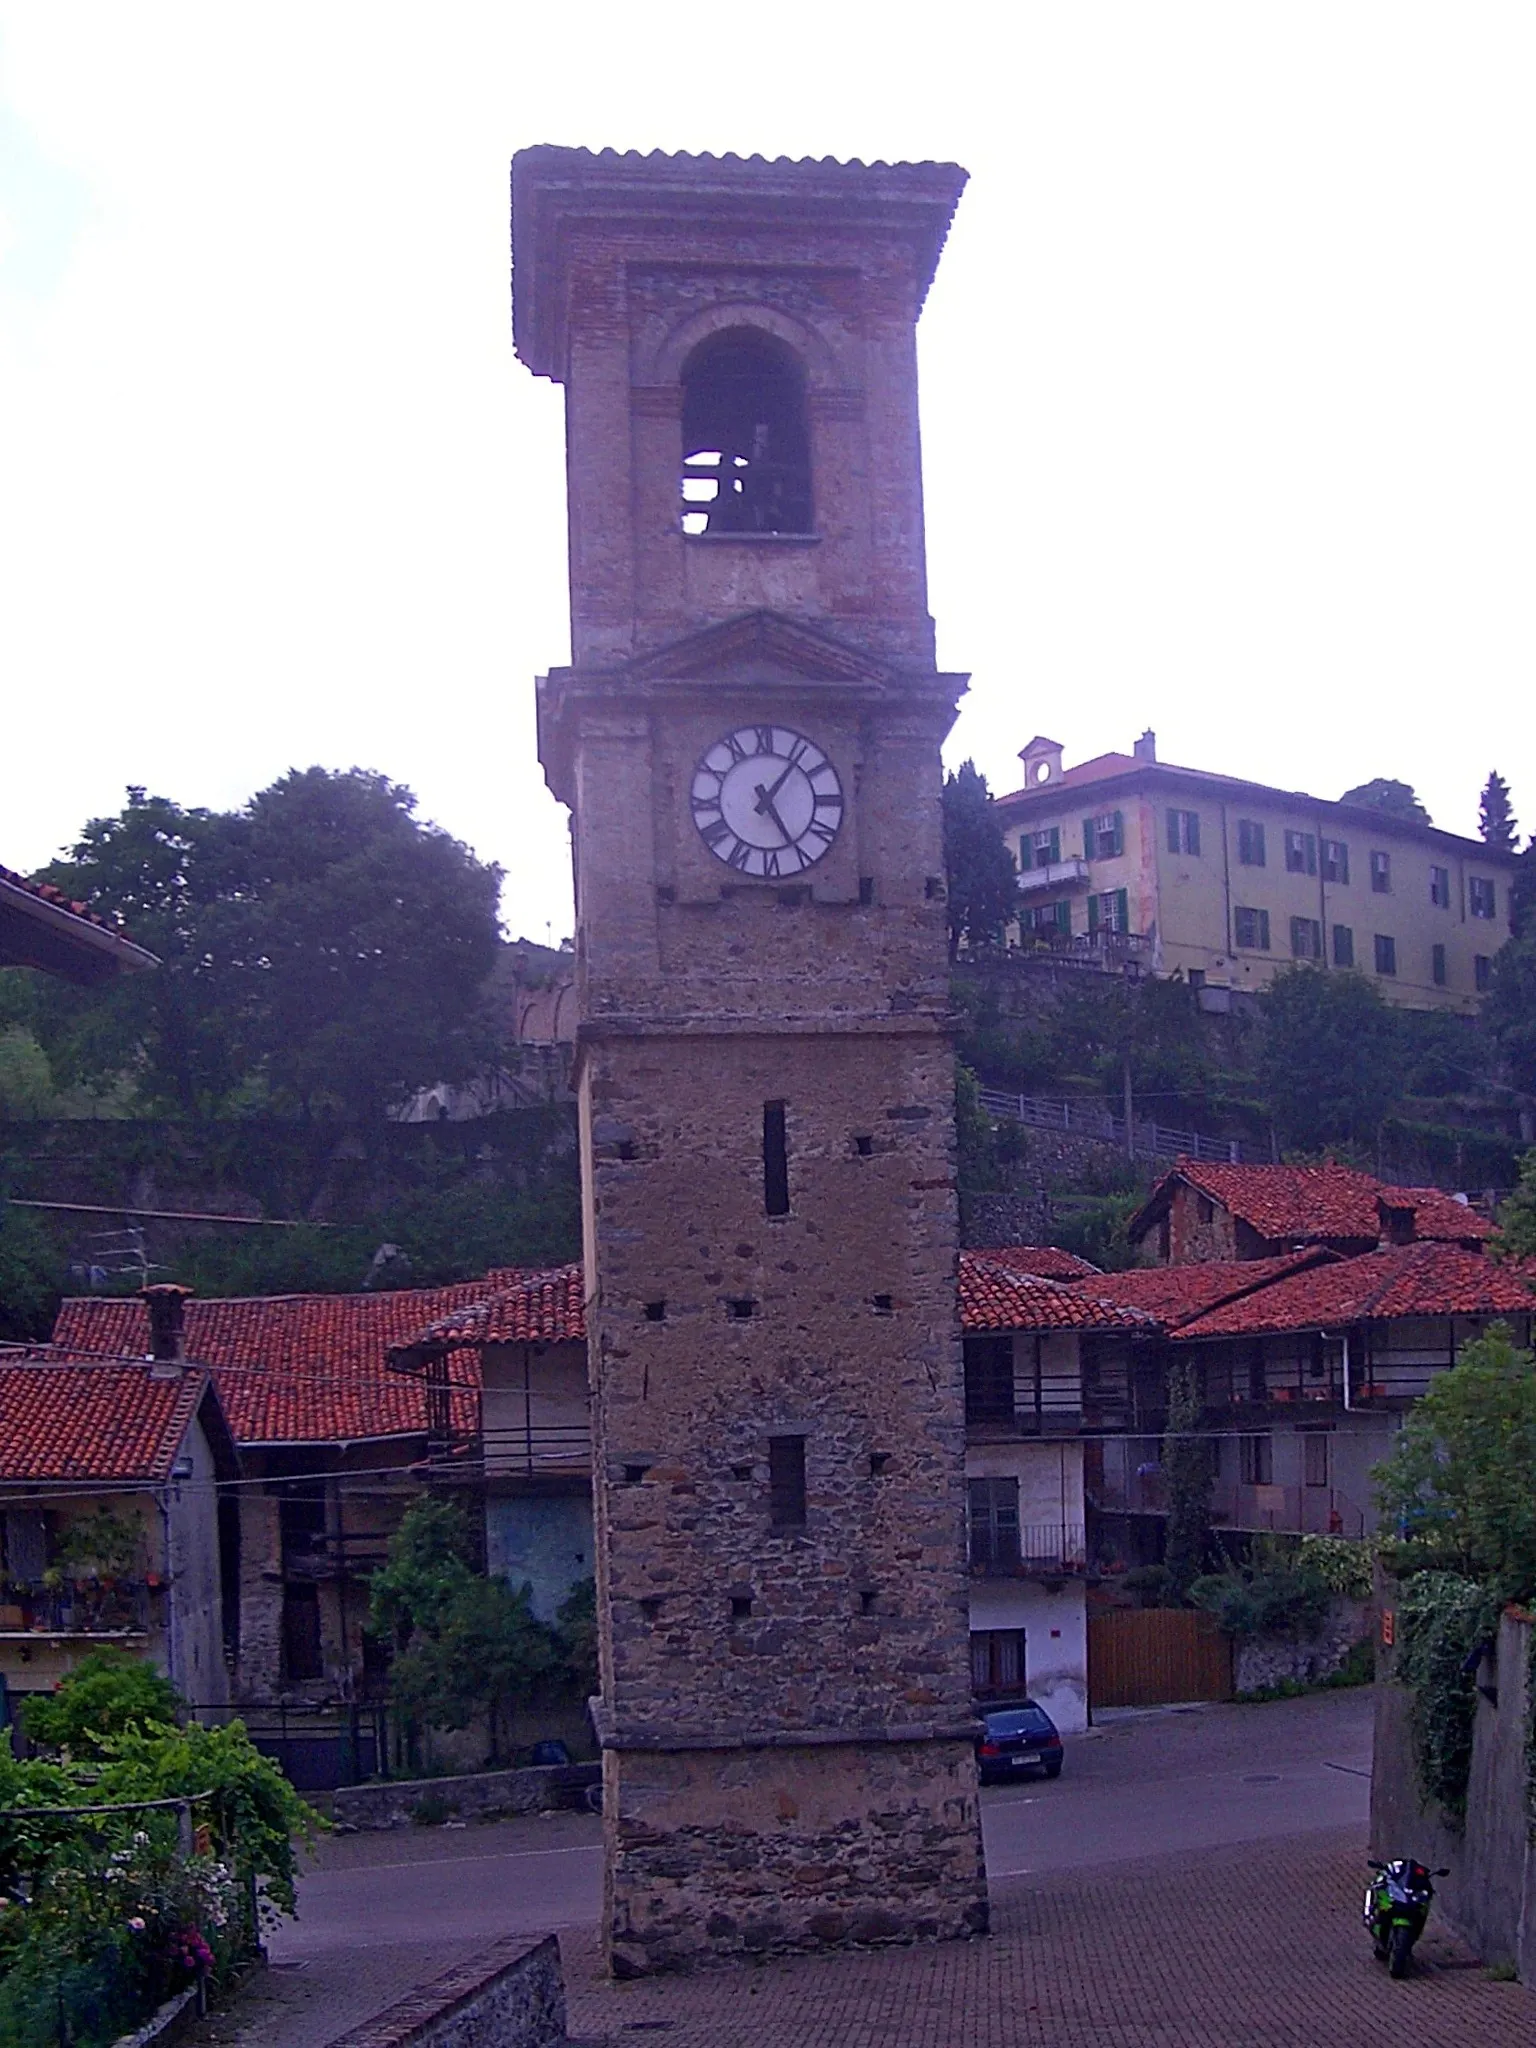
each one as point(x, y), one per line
point(1229, 382)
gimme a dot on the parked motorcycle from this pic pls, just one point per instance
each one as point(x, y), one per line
point(1397, 1903)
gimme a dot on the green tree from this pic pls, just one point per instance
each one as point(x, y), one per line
point(31, 1276)
point(1517, 1217)
point(980, 875)
point(1397, 799)
point(1460, 1484)
point(466, 1645)
point(104, 1696)
point(1509, 1008)
point(1189, 1473)
point(1495, 819)
point(321, 950)
point(1327, 1057)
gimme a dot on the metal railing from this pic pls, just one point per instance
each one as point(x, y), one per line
point(75, 1607)
point(1093, 1120)
point(1017, 1553)
point(535, 1449)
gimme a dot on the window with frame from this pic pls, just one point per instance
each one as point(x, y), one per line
point(1104, 836)
point(1046, 919)
point(994, 1523)
point(1482, 973)
point(1300, 853)
point(989, 1377)
point(997, 1660)
point(1437, 965)
point(1184, 832)
point(1381, 871)
point(1306, 939)
point(1109, 911)
point(1386, 954)
point(1039, 849)
point(1250, 842)
point(1256, 1456)
point(1314, 1457)
point(1343, 946)
point(1250, 929)
point(1440, 888)
point(1335, 860)
point(1481, 898)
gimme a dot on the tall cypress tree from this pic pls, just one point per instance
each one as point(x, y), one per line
point(1495, 819)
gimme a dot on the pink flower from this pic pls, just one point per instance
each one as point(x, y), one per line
point(136, 1924)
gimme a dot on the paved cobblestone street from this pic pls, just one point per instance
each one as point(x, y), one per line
point(1230, 1948)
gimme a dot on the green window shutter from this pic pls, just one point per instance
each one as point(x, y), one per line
point(1089, 847)
point(1122, 911)
point(1173, 832)
point(1055, 844)
point(1064, 916)
point(1119, 832)
point(1093, 913)
point(1026, 853)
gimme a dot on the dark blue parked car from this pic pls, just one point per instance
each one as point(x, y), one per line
point(1019, 1737)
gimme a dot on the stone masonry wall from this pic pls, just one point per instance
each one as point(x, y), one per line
point(511, 1996)
point(764, 1850)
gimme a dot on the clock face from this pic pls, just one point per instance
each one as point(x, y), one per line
point(767, 801)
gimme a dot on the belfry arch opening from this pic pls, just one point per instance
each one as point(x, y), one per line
point(746, 464)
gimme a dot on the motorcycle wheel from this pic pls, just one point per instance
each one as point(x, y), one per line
point(1379, 1950)
point(1400, 1952)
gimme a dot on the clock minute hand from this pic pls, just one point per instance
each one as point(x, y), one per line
point(765, 805)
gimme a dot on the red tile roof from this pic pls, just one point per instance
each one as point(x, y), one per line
point(1302, 1203)
point(297, 1368)
point(993, 1298)
point(1044, 1261)
point(1399, 1280)
point(64, 1422)
point(42, 927)
point(1175, 1294)
point(544, 1308)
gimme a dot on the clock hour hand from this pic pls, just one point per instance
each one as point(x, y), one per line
point(765, 804)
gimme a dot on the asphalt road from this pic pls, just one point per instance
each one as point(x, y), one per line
point(380, 1913)
point(1191, 1779)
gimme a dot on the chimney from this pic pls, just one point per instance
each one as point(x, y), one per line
point(1145, 748)
point(167, 1348)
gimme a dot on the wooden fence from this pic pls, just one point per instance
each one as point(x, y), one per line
point(1155, 1656)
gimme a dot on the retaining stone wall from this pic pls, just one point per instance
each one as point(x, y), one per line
point(1265, 1661)
point(477, 1796)
point(512, 1996)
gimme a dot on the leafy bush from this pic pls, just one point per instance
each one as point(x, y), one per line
point(1278, 1593)
point(1343, 1567)
point(1460, 1485)
point(1441, 1618)
point(105, 1695)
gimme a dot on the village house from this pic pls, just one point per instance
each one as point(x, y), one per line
point(1128, 860)
point(333, 1449)
point(118, 1517)
point(41, 927)
point(1215, 1211)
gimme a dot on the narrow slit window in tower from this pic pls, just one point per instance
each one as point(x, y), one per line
point(746, 448)
point(775, 1160)
point(786, 1482)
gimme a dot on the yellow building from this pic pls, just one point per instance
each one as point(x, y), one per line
point(1129, 859)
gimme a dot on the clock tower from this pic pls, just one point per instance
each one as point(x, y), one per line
point(748, 740)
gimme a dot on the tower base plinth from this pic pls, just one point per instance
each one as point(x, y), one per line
point(719, 1854)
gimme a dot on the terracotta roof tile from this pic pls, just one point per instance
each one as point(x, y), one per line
point(1307, 1202)
point(1044, 1261)
point(298, 1368)
point(544, 1308)
point(993, 1298)
point(1427, 1279)
point(1175, 1294)
point(67, 1422)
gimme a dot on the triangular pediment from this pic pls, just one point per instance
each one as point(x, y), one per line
point(759, 646)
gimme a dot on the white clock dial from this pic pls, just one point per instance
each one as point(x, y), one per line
point(767, 801)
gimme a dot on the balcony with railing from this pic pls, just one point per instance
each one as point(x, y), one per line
point(1286, 1510)
point(1028, 1550)
point(98, 1609)
point(537, 1450)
